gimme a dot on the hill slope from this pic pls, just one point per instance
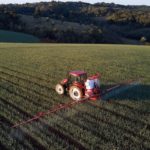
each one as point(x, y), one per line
point(107, 23)
point(10, 36)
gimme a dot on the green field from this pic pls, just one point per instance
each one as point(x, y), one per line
point(16, 37)
point(28, 75)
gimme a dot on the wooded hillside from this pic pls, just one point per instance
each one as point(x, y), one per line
point(78, 22)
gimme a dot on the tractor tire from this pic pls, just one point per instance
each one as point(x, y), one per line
point(60, 89)
point(75, 93)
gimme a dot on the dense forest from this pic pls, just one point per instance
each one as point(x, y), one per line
point(79, 22)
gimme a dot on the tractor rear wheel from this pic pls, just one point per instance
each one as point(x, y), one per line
point(75, 93)
point(60, 89)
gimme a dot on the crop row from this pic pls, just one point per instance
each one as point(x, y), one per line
point(36, 88)
point(117, 114)
point(26, 69)
point(47, 82)
point(121, 115)
point(7, 91)
point(79, 110)
point(45, 86)
point(18, 106)
point(121, 125)
point(36, 76)
point(12, 113)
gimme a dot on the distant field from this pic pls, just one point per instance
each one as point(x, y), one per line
point(28, 74)
point(9, 36)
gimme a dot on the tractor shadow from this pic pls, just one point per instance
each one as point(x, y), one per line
point(137, 92)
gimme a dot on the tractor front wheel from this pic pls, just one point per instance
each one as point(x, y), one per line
point(75, 93)
point(60, 89)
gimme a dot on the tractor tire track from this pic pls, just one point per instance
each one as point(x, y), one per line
point(39, 78)
point(70, 133)
point(64, 136)
point(119, 115)
point(53, 130)
point(112, 102)
point(5, 136)
point(3, 120)
point(27, 69)
point(144, 115)
point(113, 125)
point(27, 115)
point(92, 131)
point(128, 81)
point(104, 90)
point(144, 139)
point(25, 74)
point(82, 128)
point(26, 88)
point(21, 96)
point(122, 116)
point(34, 94)
point(26, 136)
point(85, 127)
point(129, 107)
point(70, 140)
point(3, 147)
point(27, 81)
point(46, 98)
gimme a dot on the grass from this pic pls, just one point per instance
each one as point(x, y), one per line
point(28, 75)
point(15, 37)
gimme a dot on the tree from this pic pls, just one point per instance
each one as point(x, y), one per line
point(37, 12)
point(143, 39)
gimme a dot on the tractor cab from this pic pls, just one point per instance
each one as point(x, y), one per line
point(77, 76)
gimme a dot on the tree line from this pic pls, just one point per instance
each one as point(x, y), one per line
point(82, 13)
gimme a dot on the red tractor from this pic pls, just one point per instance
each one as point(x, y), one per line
point(79, 86)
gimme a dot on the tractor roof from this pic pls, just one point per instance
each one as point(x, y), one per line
point(77, 73)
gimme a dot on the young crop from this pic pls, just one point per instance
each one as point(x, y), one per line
point(28, 75)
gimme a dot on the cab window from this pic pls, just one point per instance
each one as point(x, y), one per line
point(83, 77)
point(74, 78)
